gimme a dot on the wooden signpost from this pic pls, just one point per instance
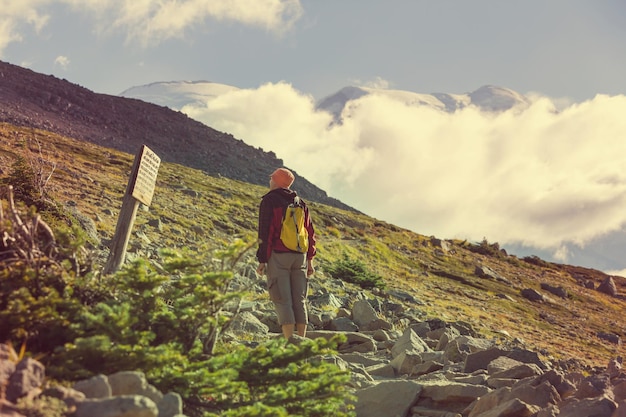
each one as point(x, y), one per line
point(140, 189)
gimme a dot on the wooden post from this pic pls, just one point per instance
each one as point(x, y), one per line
point(140, 189)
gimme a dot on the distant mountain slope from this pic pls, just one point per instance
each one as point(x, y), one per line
point(487, 98)
point(176, 94)
point(46, 102)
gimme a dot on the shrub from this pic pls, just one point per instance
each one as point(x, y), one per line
point(44, 279)
point(486, 248)
point(535, 260)
point(355, 271)
point(30, 175)
point(165, 323)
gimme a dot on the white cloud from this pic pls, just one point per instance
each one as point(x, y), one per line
point(377, 82)
point(62, 61)
point(539, 177)
point(620, 273)
point(149, 22)
point(276, 117)
point(14, 15)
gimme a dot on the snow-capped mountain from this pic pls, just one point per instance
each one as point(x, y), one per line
point(486, 98)
point(176, 94)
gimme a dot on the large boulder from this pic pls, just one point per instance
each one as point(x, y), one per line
point(388, 398)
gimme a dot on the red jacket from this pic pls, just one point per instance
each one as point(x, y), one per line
point(271, 212)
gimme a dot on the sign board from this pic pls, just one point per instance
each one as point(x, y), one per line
point(142, 188)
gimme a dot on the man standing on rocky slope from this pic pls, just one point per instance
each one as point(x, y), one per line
point(287, 271)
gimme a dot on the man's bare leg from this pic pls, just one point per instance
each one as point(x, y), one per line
point(287, 330)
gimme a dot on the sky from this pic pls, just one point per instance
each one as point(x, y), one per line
point(551, 177)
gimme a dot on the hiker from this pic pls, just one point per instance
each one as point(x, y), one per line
point(287, 270)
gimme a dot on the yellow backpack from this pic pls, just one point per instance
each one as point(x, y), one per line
point(293, 234)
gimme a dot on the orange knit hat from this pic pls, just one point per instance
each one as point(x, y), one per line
point(282, 177)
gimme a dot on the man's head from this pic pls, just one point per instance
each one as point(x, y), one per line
point(281, 178)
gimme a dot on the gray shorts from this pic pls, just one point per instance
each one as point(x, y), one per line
point(288, 286)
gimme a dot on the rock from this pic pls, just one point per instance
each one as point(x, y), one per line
point(365, 360)
point(343, 324)
point(121, 406)
point(481, 359)
point(619, 390)
point(405, 361)
point(171, 405)
point(486, 272)
point(94, 387)
point(7, 368)
point(541, 395)
point(387, 398)
point(610, 337)
point(246, 323)
point(558, 291)
point(363, 314)
point(511, 408)
point(532, 295)
point(127, 383)
point(356, 342)
point(404, 296)
point(151, 392)
point(28, 375)
point(594, 386)
point(608, 287)
point(596, 407)
point(426, 368)
point(409, 341)
point(448, 394)
point(564, 387)
point(325, 301)
point(527, 356)
point(444, 336)
point(501, 363)
point(614, 367)
point(458, 349)
point(523, 370)
point(381, 370)
point(621, 410)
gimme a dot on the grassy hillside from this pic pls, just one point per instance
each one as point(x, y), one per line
point(193, 209)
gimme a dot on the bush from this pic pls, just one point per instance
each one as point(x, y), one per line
point(354, 271)
point(167, 326)
point(486, 248)
point(45, 279)
point(165, 323)
point(535, 260)
point(30, 176)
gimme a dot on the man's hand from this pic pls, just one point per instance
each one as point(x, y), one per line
point(261, 269)
point(310, 270)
